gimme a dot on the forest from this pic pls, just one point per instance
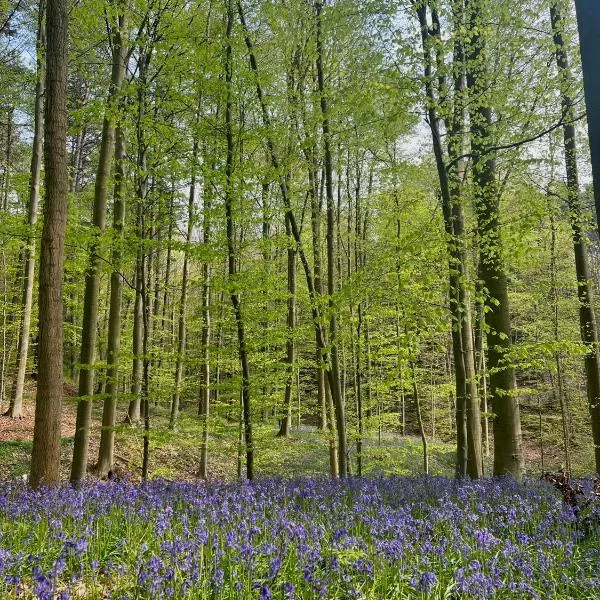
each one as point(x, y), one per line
point(298, 299)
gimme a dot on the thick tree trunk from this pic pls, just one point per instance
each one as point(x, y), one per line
point(508, 453)
point(15, 409)
point(587, 316)
point(588, 21)
point(92, 276)
point(107, 435)
point(45, 457)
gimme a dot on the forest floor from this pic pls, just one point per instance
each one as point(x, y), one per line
point(175, 454)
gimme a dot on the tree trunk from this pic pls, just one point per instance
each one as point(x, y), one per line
point(15, 409)
point(333, 374)
point(420, 419)
point(588, 21)
point(315, 221)
point(587, 316)
point(286, 422)
point(310, 282)
point(231, 254)
point(508, 454)
point(146, 316)
point(468, 427)
point(45, 456)
point(107, 435)
point(92, 277)
point(133, 411)
point(181, 327)
point(206, 337)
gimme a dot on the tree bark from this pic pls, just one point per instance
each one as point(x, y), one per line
point(587, 316)
point(468, 426)
point(45, 457)
point(588, 21)
point(206, 335)
point(15, 409)
point(92, 276)
point(286, 422)
point(181, 326)
point(508, 453)
point(235, 297)
point(334, 367)
point(107, 435)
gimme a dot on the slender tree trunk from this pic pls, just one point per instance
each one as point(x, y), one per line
point(181, 328)
point(334, 370)
point(141, 282)
point(587, 316)
point(559, 392)
point(468, 447)
point(15, 409)
point(133, 411)
point(315, 220)
point(146, 316)
point(45, 457)
point(206, 335)
point(286, 422)
point(420, 418)
point(508, 453)
point(314, 299)
point(235, 297)
point(107, 435)
point(8, 160)
point(92, 277)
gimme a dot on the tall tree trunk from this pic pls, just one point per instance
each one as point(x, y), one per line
point(315, 221)
point(588, 21)
point(468, 447)
point(310, 282)
point(92, 276)
point(235, 297)
point(286, 422)
point(133, 411)
point(559, 389)
point(6, 312)
point(45, 456)
point(334, 370)
point(146, 317)
point(587, 316)
point(206, 335)
point(181, 327)
point(15, 409)
point(107, 435)
point(508, 453)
